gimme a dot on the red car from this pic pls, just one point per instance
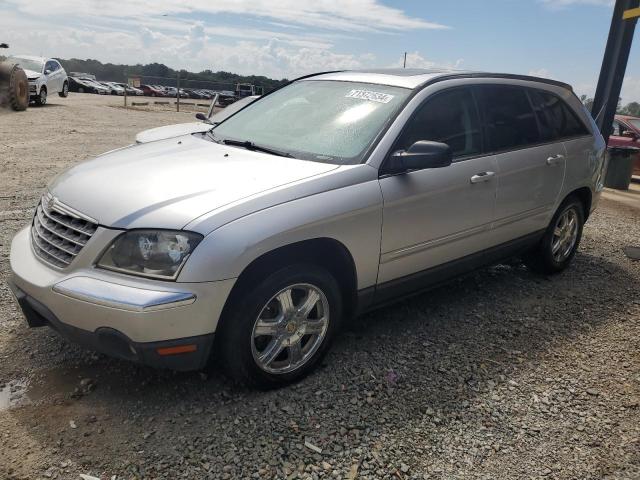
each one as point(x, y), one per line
point(151, 91)
point(626, 134)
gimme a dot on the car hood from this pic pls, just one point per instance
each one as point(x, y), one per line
point(171, 131)
point(169, 183)
point(32, 74)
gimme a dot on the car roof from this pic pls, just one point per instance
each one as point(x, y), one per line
point(418, 77)
point(32, 57)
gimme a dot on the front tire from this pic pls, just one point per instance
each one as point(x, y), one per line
point(560, 242)
point(281, 327)
point(41, 99)
point(65, 90)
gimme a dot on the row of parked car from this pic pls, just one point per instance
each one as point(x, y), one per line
point(87, 83)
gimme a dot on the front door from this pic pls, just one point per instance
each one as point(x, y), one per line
point(433, 216)
point(53, 77)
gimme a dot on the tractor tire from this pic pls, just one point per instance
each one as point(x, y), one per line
point(14, 87)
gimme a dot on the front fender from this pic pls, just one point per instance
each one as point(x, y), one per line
point(351, 215)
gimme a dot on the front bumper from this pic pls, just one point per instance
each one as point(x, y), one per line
point(120, 315)
point(186, 354)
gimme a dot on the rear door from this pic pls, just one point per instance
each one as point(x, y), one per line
point(578, 142)
point(530, 162)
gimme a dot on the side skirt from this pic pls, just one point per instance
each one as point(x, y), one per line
point(397, 289)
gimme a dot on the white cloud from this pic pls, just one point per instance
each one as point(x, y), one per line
point(416, 60)
point(279, 38)
point(630, 90)
point(541, 72)
point(355, 15)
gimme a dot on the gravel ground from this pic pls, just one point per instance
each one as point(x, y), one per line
point(501, 374)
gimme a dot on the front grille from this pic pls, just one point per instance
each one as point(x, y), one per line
point(58, 233)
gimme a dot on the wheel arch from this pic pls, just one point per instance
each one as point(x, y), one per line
point(324, 252)
point(585, 196)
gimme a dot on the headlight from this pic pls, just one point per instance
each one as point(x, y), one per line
point(150, 253)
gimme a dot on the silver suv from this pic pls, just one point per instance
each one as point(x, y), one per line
point(255, 237)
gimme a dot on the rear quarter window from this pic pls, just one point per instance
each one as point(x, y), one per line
point(557, 120)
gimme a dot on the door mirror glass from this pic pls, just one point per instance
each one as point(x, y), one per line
point(421, 155)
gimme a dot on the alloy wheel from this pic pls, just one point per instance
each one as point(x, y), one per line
point(565, 234)
point(290, 328)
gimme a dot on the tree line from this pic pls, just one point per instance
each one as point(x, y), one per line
point(120, 73)
point(631, 108)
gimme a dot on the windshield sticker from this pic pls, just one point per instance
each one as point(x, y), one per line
point(369, 95)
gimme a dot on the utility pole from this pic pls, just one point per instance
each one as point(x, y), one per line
point(614, 64)
point(405, 60)
point(178, 92)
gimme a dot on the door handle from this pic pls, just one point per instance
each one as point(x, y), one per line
point(555, 159)
point(482, 177)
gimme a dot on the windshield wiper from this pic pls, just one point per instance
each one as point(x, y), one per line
point(259, 148)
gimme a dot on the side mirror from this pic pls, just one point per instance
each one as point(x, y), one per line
point(201, 116)
point(419, 156)
point(47, 71)
point(630, 134)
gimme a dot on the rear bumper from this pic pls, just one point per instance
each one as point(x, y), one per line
point(191, 353)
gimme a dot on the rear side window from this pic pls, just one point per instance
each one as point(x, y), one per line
point(616, 129)
point(556, 118)
point(509, 119)
point(449, 117)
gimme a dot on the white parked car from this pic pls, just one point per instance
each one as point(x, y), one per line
point(170, 131)
point(46, 76)
point(255, 237)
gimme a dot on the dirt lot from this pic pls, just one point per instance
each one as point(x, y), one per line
point(502, 374)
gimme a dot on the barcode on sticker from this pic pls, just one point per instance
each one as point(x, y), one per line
point(369, 95)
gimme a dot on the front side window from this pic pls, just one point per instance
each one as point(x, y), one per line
point(509, 119)
point(449, 117)
point(635, 122)
point(51, 66)
point(320, 120)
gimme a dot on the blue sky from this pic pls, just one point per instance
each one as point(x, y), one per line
point(562, 39)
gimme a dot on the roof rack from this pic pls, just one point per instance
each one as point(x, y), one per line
point(509, 76)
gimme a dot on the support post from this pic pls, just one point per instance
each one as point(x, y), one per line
point(613, 67)
point(125, 95)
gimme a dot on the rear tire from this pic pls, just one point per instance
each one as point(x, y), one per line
point(560, 242)
point(65, 90)
point(41, 99)
point(278, 329)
